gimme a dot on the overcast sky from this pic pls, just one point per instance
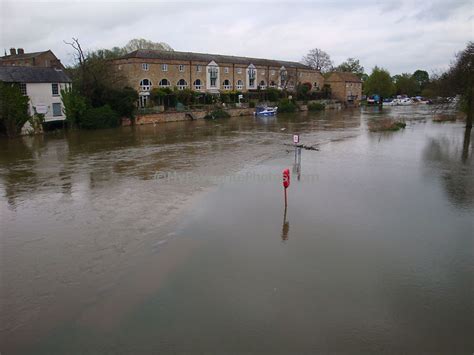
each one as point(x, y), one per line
point(401, 36)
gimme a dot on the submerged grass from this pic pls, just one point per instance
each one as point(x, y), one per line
point(386, 124)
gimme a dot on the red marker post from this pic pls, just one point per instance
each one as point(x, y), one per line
point(286, 182)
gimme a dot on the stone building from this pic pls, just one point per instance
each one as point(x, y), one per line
point(345, 87)
point(18, 57)
point(144, 70)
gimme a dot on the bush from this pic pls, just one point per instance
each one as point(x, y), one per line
point(100, 117)
point(273, 94)
point(122, 101)
point(285, 105)
point(217, 113)
point(252, 104)
point(316, 106)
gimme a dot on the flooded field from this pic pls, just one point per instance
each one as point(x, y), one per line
point(174, 238)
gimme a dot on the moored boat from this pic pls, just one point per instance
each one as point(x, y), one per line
point(266, 111)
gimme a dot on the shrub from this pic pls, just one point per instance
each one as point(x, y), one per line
point(316, 106)
point(74, 106)
point(252, 104)
point(100, 117)
point(13, 109)
point(273, 94)
point(217, 113)
point(122, 101)
point(285, 105)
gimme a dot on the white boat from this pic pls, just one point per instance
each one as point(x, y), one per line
point(266, 111)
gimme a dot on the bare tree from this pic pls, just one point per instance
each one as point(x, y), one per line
point(141, 43)
point(318, 59)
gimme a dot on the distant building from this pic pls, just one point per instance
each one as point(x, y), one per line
point(43, 87)
point(45, 59)
point(345, 87)
point(144, 70)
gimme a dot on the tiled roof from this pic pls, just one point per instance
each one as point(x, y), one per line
point(344, 76)
point(205, 57)
point(14, 74)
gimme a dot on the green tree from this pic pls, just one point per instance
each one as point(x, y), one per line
point(422, 79)
point(406, 84)
point(13, 109)
point(379, 82)
point(74, 106)
point(141, 43)
point(351, 65)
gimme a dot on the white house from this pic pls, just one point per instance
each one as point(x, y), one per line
point(43, 87)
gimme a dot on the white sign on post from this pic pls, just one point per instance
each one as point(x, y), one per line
point(296, 138)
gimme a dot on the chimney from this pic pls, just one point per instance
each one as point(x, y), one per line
point(12, 51)
point(21, 51)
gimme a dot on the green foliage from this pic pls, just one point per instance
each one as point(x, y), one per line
point(13, 109)
point(252, 104)
point(406, 84)
point(100, 117)
point(273, 94)
point(422, 79)
point(123, 101)
point(303, 91)
point(379, 82)
point(351, 65)
point(74, 106)
point(286, 105)
point(185, 96)
point(316, 106)
point(217, 113)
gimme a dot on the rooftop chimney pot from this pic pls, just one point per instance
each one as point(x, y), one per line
point(12, 51)
point(21, 51)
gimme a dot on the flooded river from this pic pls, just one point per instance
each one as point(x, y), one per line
point(174, 238)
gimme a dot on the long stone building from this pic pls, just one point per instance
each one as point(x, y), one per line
point(144, 70)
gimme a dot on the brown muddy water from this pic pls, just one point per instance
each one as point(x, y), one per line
point(174, 238)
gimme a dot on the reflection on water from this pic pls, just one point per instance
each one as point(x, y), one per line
point(95, 260)
point(449, 158)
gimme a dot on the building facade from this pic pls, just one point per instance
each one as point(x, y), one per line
point(45, 59)
point(345, 87)
point(42, 86)
point(144, 70)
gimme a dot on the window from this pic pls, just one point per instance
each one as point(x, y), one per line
point(300, 74)
point(227, 85)
point(239, 70)
point(316, 86)
point(164, 67)
point(55, 89)
point(23, 89)
point(182, 84)
point(198, 68)
point(213, 76)
point(164, 83)
point(239, 85)
point(145, 66)
point(181, 67)
point(197, 84)
point(57, 109)
point(262, 72)
point(283, 76)
point(262, 84)
point(252, 74)
point(226, 70)
point(272, 84)
point(272, 72)
point(145, 85)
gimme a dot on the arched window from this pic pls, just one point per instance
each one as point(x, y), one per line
point(182, 84)
point(164, 83)
point(227, 85)
point(145, 85)
point(272, 84)
point(262, 84)
point(239, 85)
point(198, 84)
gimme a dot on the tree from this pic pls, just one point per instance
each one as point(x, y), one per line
point(460, 77)
point(13, 109)
point(379, 82)
point(351, 65)
point(74, 106)
point(318, 60)
point(406, 84)
point(141, 43)
point(422, 79)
